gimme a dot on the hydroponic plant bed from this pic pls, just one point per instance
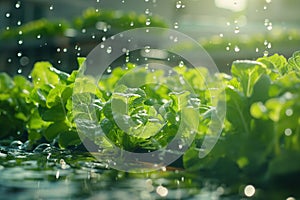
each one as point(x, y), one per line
point(257, 156)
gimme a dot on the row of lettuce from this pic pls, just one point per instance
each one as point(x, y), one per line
point(260, 139)
point(91, 19)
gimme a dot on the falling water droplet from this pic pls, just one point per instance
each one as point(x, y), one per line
point(288, 132)
point(19, 23)
point(109, 50)
point(109, 70)
point(268, 1)
point(51, 7)
point(269, 45)
point(20, 42)
point(18, 5)
point(131, 23)
point(176, 25)
point(147, 49)
point(148, 22)
point(38, 36)
point(236, 49)
point(83, 30)
point(7, 15)
point(249, 190)
point(65, 50)
point(147, 11)
point(178, 4)
point(221, 35)
point(270, 27)
point(19, 54)
point(19, 71)
point(256, 50)
point(266, 53)
point(236, 30)
point(181, 64)
point(162, 191)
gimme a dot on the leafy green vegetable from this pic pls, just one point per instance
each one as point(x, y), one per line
point(261, 135)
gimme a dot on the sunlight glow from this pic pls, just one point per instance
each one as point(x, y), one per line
point(233, 5)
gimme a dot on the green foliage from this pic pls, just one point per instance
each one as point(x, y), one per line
point(91, 19)
point(262, 127)
point(105, 19)
point(261, 130)
point(42, 27)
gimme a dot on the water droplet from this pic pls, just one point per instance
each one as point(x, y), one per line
point(19, 23)
point(59, 61)
point(147, 49)
point(181, 64)
point(93, 36)
point(65, 50)
point(103, 38)
point(38, 36)
point(83, 30)
point(289, 112)
point(24, 61)
point(266, 53)
point(162, 191)
point(9, 60)
point(176, 25)
point(180, 146)
point(290, 198)
point(147, 11)
point(58, 49)
point(236, 30)
point(102, 46)
point(227, 48)
point(178, 4)
point(249, 190)
point(57, 174)
point(51, 7)
point(269, 45)
point(270, 26)
point(268, 1)
point(18, 5)
point(109, 50)
point(109, 70)
point(19, 54)
point(148, 22)
point(236, 49)
point(221, 35)
point(7, 15)
point(131, 23)
point(20, 42)
point(288, 132)
point(256, 50)
point(265, 7)
point(19, 71)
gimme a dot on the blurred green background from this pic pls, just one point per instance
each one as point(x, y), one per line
point(228, 30)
